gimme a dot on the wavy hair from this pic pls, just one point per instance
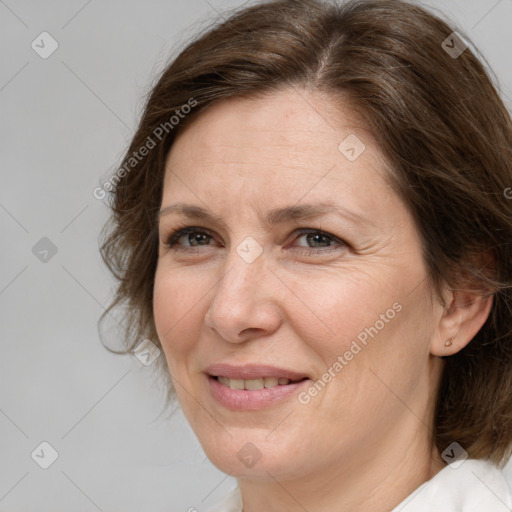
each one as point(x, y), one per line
point(440, 124)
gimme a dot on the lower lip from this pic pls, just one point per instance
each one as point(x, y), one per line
point(244, 400)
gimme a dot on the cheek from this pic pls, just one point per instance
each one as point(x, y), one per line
point(368, 328)
point(177, 306)
point(340, 307)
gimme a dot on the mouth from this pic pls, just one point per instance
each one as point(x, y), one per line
point(255, 384)
point(253, 387)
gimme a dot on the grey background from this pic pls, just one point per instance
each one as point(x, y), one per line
point(65, 122)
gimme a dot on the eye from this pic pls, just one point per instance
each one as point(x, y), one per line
point(313, 241)
point(189, 237)
point(307, 241)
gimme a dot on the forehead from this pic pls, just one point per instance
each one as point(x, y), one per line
point(279, 149)
point(288, 125)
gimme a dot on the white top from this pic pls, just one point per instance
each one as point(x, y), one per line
point(474, 486)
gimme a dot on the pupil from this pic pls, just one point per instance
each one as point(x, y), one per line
point(317, 238)
point(197, 238)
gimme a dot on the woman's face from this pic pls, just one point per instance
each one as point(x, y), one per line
point(298, 261)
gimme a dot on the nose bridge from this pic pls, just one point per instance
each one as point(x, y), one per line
point(241, 280)
point(245, 262)
point(242, 299)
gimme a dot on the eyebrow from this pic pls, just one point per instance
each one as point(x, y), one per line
point(273, 217)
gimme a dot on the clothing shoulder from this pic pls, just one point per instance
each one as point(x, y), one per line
point(232, 502)
point(470, 486)
point(466, 486)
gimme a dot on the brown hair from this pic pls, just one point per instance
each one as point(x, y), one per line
point(440, 124)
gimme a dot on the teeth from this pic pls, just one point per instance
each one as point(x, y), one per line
point(236, 383)
point(271, 382)
point(224, 380)
point(253, 384)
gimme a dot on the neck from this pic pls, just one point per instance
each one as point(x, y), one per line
point(378, 483)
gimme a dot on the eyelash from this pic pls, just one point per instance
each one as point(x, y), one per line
point(179, 232)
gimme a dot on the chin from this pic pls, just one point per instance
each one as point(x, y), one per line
point(253, 457)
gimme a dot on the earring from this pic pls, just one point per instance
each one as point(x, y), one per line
point(448, 342)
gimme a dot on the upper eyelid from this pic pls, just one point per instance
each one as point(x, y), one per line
point(179, 232)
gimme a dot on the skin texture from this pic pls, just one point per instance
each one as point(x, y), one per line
point(364, 441)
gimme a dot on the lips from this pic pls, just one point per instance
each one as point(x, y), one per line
point(252, 387)
point(254, 384)
point(261, 376)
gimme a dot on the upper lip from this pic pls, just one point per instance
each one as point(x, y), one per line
point(252, 371)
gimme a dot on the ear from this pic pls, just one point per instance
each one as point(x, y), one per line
point(464, 315)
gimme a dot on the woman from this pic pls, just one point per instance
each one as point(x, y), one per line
point(312, 223)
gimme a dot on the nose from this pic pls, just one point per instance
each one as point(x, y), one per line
point(245, 304)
